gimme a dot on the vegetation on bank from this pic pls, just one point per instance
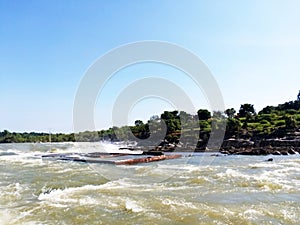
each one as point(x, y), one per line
point(270, 122)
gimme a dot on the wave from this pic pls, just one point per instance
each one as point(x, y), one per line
point(132, 206)
point(7, 153)
point(6, 217)
point(88, 147)
point(111, 195)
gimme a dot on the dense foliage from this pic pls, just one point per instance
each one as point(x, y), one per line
point(270, 122)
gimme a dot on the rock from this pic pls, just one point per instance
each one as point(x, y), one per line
point(262, 151)
point(276, 153)
point(270, 159)
point(237, 143)
point(292, 151)
point(224, 152)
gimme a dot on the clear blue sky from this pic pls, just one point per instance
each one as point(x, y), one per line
point(251, 47)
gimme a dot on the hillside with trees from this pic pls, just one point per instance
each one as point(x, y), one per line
point(244, 128)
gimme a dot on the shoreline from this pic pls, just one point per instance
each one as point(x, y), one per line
point(231, 146)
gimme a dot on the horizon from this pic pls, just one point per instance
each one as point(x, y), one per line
point(251, 48)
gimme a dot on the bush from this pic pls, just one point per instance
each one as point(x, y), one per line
point(280, 123)
point(253, 125)
point(204, 124)
point(268, 117)
point(297, 117)
point(291, 111)
point(265, 122)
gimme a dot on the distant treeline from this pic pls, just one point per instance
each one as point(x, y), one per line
point(270, 122)
point(8, 137)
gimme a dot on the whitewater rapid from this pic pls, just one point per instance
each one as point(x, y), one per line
point(202, 189)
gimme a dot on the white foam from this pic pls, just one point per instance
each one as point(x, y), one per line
point(288, 215)
point(62, 195)
point(264, 165)
point(28, 159)
point(5, 217)
point(63, 198)
point(132, 206)
point(12, 192)
point(233, 173)
point(90, 147)
point(178, 203)
point(8, 152)
point(251, 214)
point(267, 180)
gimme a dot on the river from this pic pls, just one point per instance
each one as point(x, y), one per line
point(202, 189)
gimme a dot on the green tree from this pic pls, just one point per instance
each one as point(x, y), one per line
point(246, 110)
point(267, 110)
point(166, 115)
point(138, 123)
point(233, 126)
point(290, 122)
point(230, 112)
point(204, 114)
point(172, 121)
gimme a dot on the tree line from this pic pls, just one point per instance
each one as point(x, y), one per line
point(270, 122)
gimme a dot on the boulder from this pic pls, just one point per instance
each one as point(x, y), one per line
point(292, 151)
point(276, 153)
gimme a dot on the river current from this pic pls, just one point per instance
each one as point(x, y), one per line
point(199, 189)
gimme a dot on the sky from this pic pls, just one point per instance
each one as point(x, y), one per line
point(252, 48)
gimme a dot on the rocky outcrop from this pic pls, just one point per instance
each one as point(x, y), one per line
point(288, 145)
point(260, 151)
point(237, 143)
point(261, 147)
point(280, 143)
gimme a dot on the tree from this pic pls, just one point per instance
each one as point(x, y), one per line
point(289, 105)
point(267, 110)
point(230, 112)
point(204, 114)
point(172, 121)
point(138, 123)
point(233, 126)
point(246, 110)
point(290, 122)
point(169, 115)
point(4, 133)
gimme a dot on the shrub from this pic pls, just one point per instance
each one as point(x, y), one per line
point(279, 123)
point(264, 122)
